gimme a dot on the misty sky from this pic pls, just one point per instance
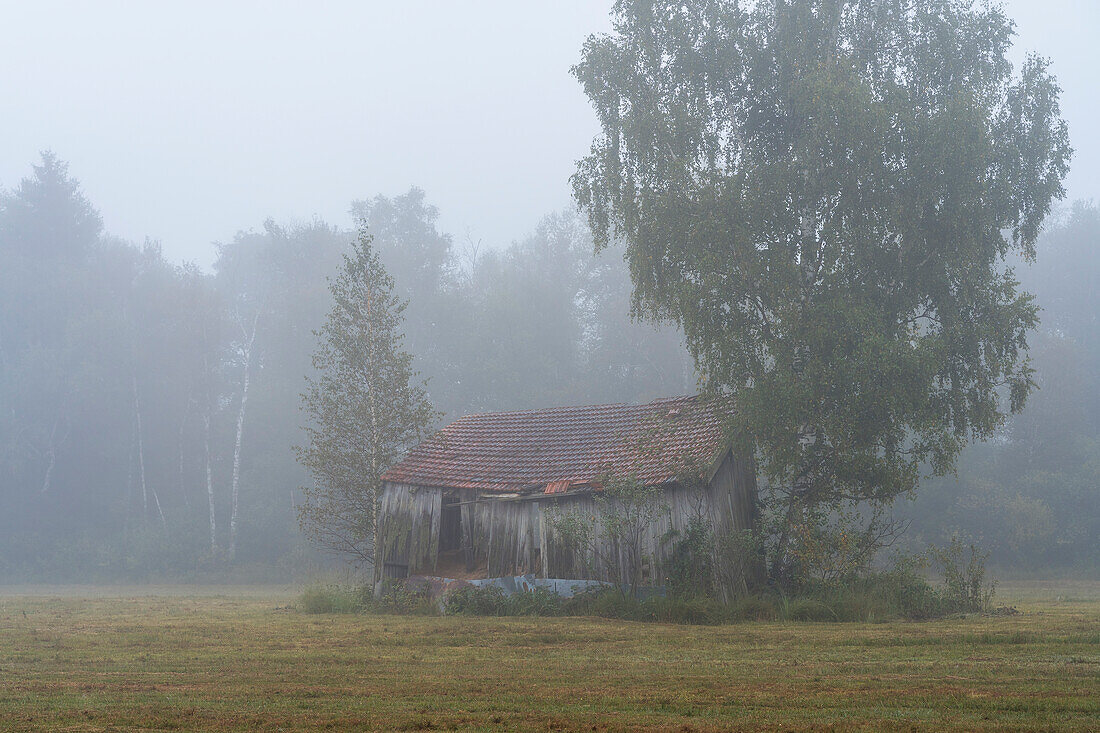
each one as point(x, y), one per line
point(188, 121)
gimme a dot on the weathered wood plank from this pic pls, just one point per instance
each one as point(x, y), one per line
point(514, 537)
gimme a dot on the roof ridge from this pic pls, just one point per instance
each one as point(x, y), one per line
point(562, 408)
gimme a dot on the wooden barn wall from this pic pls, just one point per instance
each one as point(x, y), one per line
point(516, 537)
point(605, 560)
point(408, 529)
point(733, 496)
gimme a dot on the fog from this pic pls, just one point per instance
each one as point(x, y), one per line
point(186, 122)
point(178, 181)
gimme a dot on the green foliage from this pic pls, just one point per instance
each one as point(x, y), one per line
point(757, 607)
point(493, 601)
point(398, 597)
point(613, 537)
point(899, 593)
point(739, 556)
point(364, 405)
point(807, 609)
point(605, 603)
point(830, 546)
point(690, 569)
point(1030, 499)
point(477, 601)
point(823, 195)
point(329, 598)
point(872, 597)
point(964, 583)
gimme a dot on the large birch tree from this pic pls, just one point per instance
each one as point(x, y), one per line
point(822, 193)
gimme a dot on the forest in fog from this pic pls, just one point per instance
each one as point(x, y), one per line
point(149, 409)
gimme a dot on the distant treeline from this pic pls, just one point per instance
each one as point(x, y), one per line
point(148, 410)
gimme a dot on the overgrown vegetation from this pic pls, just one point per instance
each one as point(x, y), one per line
point(330, 598)
point(611, 541)
point(867, 596)
point(394, 598)
point(875, 597)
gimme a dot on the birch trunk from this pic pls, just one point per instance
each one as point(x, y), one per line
point(207, 406)
point(209, 482)
point(51, 455)
point(372, 401)
point(180, 454)
point(145, 490)
point(247, 353)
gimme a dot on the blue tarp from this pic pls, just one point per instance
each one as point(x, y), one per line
point(565, 587)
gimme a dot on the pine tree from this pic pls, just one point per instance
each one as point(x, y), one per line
point(365, 406)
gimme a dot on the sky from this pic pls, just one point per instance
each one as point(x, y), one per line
point(188, 121)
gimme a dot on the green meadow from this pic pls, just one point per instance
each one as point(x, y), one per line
point(245, 659)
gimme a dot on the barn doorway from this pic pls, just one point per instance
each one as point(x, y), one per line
point(450, 525)
point(451, 562)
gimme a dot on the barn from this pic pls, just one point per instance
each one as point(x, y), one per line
point(478, 499)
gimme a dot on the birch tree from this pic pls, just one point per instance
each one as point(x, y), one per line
point(246, 350)
point(365, 406)
point(823, 193)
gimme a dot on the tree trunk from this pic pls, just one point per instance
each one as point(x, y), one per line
point(247, 353)
point(180, 454)
point(145, 491)
point(209, 482)
point(207, 403)
point(51, 455)
point(372, 399)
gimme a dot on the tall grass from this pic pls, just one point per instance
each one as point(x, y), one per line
point(330, 598)
point(870, 598)
point(395, 598)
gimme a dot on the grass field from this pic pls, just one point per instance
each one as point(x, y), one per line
point(242, 659)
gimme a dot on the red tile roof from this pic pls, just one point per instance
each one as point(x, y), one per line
point(559, 448)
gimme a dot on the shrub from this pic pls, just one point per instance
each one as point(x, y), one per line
point(874, 597)
point(329, 598)
point(807, 609)
point(881, 597)
point(477, 601)
point(493, 601)
point(754, 608)
point(698, 610)
point(399, 597)
point(537, 602)
point(689, 571)
point(964, 586)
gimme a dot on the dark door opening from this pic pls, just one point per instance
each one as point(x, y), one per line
point(451, 559)
point(450, 526)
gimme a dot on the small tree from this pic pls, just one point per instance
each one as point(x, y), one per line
point(365, 406)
